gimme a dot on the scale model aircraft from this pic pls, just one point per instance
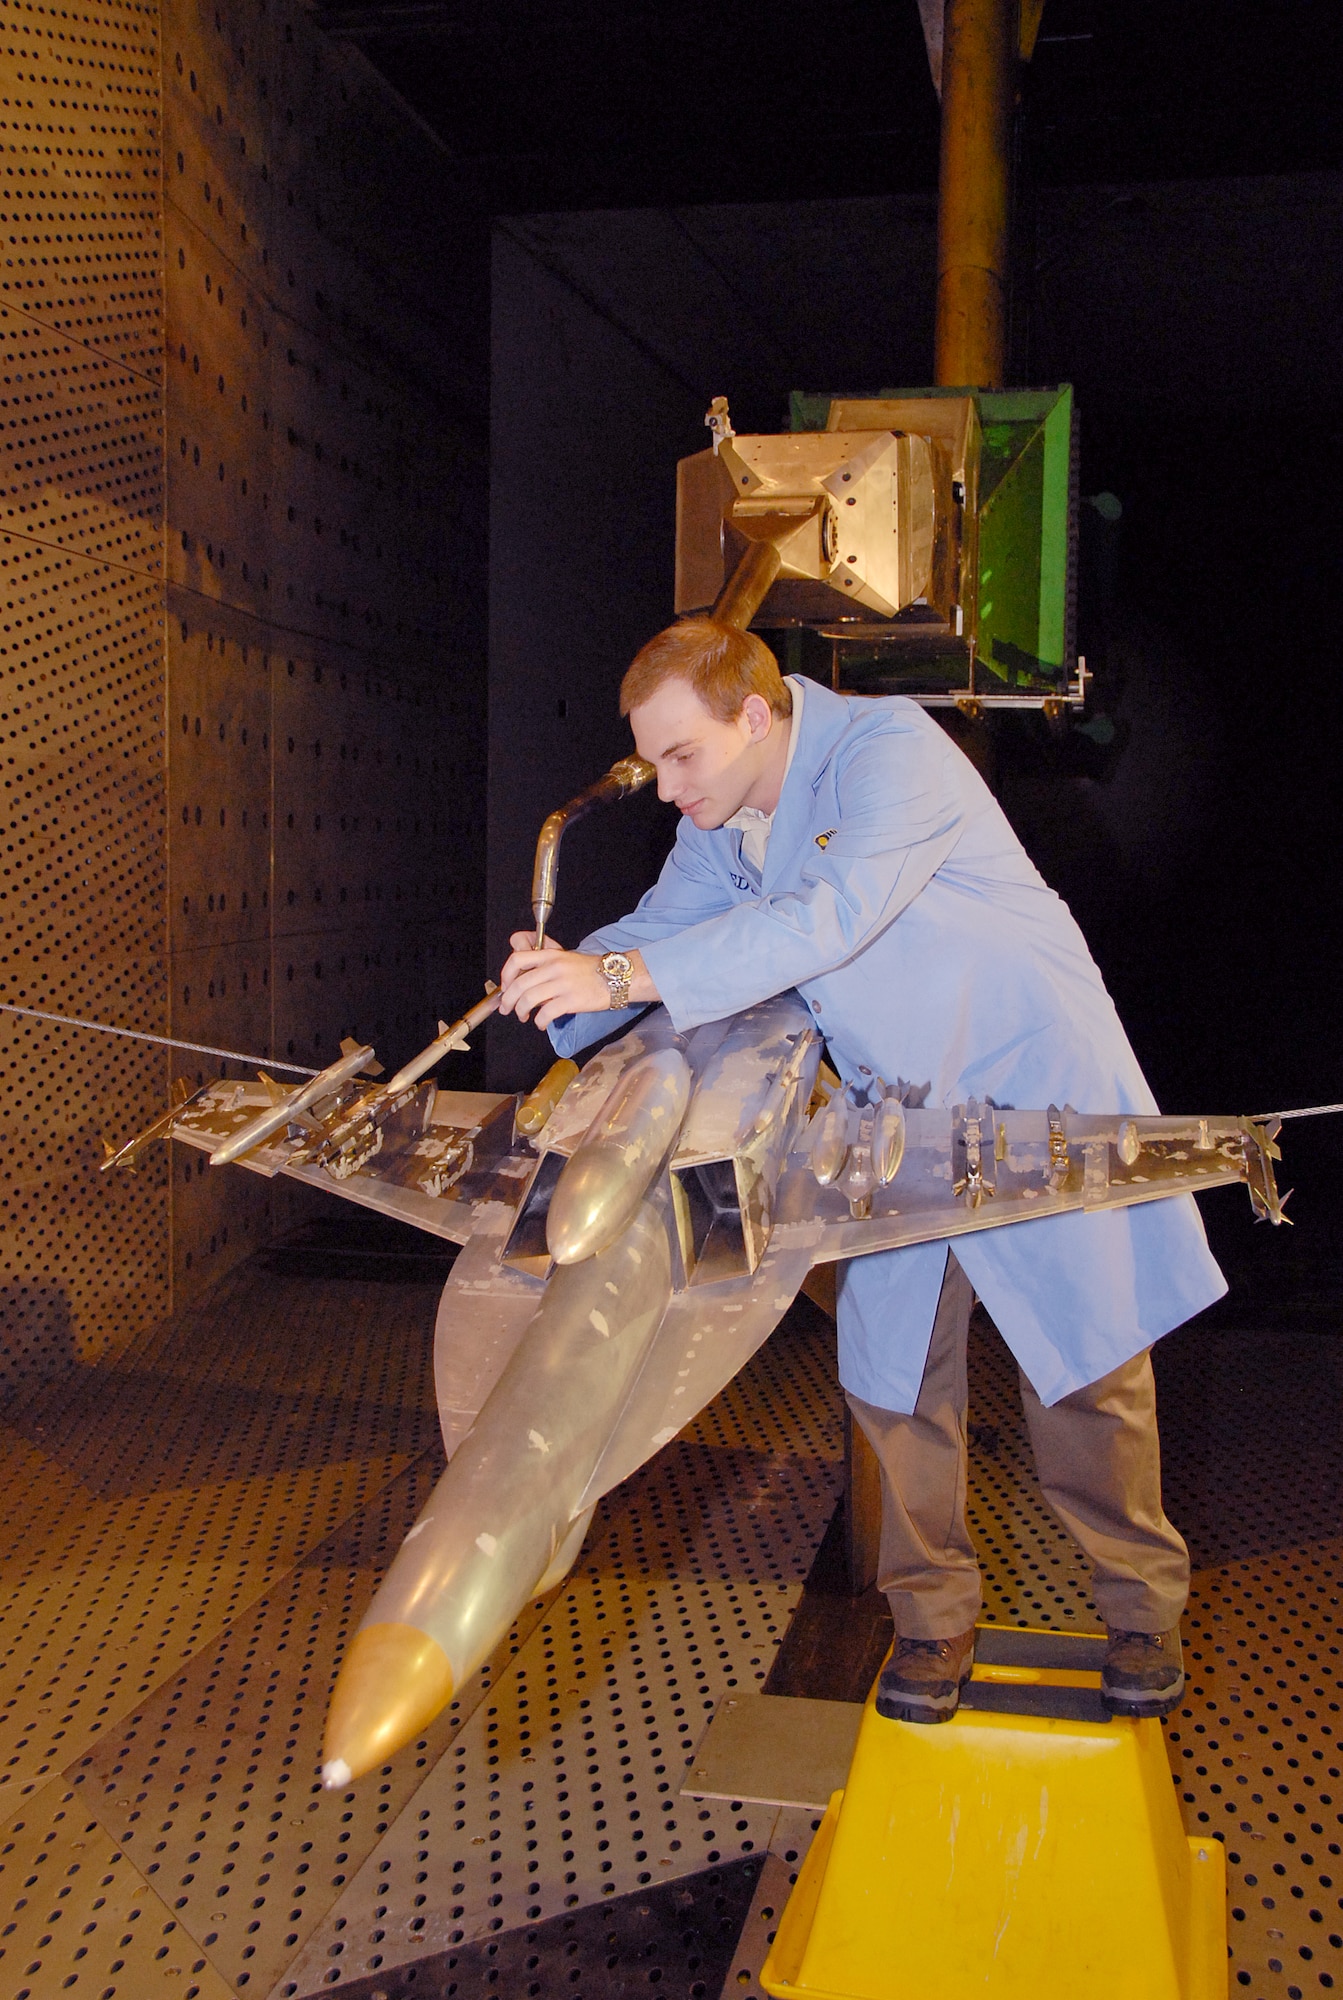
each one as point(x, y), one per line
point(630, 1233)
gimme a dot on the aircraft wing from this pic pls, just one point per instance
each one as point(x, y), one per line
point(958, 1173)
point(432, 1162)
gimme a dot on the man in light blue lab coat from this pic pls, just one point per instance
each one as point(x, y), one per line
point(845, 847)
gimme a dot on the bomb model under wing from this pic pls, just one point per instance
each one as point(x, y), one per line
point(621, 1263)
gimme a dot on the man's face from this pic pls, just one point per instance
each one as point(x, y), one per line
point(705, 767)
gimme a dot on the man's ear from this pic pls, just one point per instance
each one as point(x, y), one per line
point(759, 715)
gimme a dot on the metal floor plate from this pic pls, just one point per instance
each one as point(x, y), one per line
point(793, 1749)
point(679, 1936)
point(192, 1533)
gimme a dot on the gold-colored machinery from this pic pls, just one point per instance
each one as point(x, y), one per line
point(867, 519)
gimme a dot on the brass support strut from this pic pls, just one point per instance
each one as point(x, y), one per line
point(979, 72)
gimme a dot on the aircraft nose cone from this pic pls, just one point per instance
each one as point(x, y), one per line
point(600, 1189)
point(395, 1680)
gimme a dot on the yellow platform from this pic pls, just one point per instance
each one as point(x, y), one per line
point(1008, 1856)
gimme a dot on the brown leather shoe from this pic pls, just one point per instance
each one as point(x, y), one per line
point(923, 1678)
point(1143, 1673)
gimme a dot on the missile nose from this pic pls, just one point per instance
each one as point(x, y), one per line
point(394, 1681)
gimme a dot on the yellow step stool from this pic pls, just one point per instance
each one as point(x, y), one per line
point(1008, 1855)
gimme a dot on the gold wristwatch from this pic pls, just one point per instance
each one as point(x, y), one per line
point(617, 969)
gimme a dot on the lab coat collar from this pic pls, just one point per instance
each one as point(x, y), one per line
point(752, 826)
point(825, 717)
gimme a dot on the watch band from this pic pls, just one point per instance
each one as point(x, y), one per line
point(617, 970)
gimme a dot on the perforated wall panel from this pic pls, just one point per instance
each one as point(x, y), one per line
point(241, 799)
point(81, 673)
point(324, 662)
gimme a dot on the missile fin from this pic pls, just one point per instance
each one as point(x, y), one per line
point(349, 1046)
point(179, 1096)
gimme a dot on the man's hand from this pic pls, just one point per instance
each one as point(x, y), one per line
point(552, 981)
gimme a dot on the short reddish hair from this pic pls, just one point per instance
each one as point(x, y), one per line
point(722, 663)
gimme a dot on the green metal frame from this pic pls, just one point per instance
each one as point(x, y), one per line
point(1023, 629)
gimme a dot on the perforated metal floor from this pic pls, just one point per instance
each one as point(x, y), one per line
point(191, 1534)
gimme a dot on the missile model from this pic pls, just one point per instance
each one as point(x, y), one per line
point(286, 1107)
point(630, 1233)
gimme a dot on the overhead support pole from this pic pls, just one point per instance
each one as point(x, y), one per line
point(980, 51)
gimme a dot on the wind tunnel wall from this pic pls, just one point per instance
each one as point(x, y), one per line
point(242, 660)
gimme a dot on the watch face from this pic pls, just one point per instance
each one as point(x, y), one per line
point(617, 963)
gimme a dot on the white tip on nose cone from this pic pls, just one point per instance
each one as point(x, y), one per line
point(336, 1774)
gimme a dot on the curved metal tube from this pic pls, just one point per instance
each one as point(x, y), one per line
point(737, 603)
point(626, 775)
point(748, 586)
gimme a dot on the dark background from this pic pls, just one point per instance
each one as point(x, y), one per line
point(738, 199)
point(587, 104)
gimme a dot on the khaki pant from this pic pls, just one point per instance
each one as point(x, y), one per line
point(1099, 1463)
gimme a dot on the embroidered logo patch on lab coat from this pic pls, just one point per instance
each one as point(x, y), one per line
point(824, 839)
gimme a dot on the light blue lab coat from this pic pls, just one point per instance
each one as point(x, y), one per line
point(900, 904)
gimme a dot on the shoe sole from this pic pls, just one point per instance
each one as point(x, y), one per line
point(1143, 1707)
point(908, 1711)
point(920, 1708)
